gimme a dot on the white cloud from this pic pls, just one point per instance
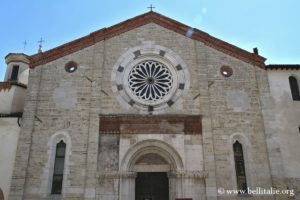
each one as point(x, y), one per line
point(204, 10)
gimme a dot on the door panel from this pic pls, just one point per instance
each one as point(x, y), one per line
point(152, 186)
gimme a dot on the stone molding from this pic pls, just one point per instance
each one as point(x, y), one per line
point(111, 124)
point(116, 175)
point(158, 147)
point(138, 21)
point(188, 174)
point(8, 85)
point(17, 57)
point(171, 174)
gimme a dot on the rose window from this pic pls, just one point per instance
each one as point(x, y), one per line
point(150, 81)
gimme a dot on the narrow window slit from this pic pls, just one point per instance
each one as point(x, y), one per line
point(240, 166)
point(59, 163)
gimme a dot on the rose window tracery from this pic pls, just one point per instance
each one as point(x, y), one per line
point(150, 81)
point(150, 78)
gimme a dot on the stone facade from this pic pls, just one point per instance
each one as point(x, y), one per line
point(103, 157)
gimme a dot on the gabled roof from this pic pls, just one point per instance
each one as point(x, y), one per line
point(283, 66)
point(149, 17)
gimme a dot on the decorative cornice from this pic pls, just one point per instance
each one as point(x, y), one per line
point(17, 57)
point(283, 66)
point(116, 175)
point(160, 124)
point(7, 85)
point(188, 174)
point(171, 174)
point(149, 17)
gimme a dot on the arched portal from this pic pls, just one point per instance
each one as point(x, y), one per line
point(149, 164)
point(159, 148)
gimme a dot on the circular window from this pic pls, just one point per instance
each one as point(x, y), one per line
point(71, 67)
point(150, 81)
point(226, 71)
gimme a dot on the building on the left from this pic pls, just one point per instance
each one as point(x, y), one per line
point(12, 96)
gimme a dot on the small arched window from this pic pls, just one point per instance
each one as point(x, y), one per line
point(239, 166)
point(58, 168)
point(294, 88)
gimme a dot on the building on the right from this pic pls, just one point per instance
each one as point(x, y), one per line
point(282, 124)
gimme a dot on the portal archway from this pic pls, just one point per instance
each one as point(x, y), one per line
point(160, 148)
point(149, 162)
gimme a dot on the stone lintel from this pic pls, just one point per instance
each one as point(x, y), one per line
point(116, 175)
point(188, 174)
point(171, 174)
point(154, 124)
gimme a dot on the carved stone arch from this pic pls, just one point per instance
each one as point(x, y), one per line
point(244, 141)
point(239, 137)
point(58, 136)
point(62, 135)
point(152, 146)
point(152, 150)
point(143, 148)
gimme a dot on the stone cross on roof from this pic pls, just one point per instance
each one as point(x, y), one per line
point(151, 7)
point(40, 45)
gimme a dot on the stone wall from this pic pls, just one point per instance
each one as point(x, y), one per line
point(282, 118)
point(71, 102)
point(56, 101)
point(9, 133)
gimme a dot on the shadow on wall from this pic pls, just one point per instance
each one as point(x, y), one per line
point(1, 195)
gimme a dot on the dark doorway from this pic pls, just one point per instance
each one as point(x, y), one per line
point(152, 186)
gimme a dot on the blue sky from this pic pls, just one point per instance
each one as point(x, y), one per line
point(271, 25)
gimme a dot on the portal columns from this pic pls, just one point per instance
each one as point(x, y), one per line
point(127, 185)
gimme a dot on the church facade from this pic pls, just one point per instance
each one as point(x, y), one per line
point(151, 109)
